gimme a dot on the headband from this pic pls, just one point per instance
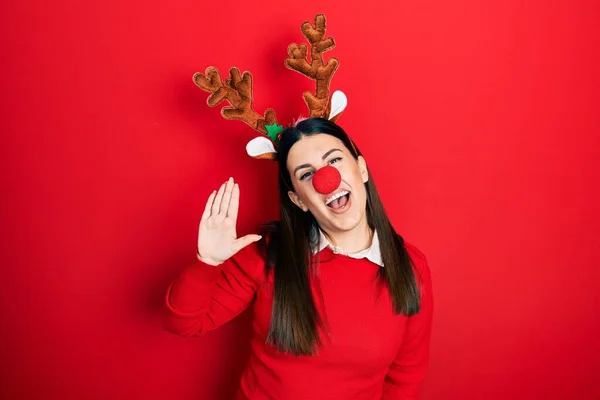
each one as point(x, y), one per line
point(237, 90)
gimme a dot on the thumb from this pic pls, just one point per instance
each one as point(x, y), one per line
point(245, 241)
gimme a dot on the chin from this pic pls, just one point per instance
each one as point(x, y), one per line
point(352, 221)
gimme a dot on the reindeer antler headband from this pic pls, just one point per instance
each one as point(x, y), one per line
point(237, 90)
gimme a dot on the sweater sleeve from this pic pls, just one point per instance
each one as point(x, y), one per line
point(405, 375)
point(205, 297)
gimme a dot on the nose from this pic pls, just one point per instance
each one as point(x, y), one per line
point(326, 179)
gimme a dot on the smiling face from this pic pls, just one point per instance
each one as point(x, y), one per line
point(344, 207)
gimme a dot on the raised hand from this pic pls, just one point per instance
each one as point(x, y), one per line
point(217, 236)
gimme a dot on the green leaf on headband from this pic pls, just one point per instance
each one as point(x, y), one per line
point(274, 130)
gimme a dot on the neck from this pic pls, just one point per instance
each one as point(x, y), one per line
point(354, 240)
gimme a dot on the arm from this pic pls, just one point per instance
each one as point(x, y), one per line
point(404, 378)
point(224, 280)
point(205, 297)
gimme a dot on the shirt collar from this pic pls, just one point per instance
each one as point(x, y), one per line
point(372, 253)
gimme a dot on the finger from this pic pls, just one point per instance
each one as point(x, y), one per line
point(217, 204)
point(208, 205)
point(226, 197)
point(245, 241)
point(234, 203)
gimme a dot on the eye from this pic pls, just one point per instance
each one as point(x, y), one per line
point(305, 175)
point(337, 159)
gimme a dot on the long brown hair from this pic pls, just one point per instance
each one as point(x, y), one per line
point(294, 317)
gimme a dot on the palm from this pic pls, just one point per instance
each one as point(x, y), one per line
point(217, 236)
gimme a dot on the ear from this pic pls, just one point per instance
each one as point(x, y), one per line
point(339, 102)
point(362, 166)
point(261, 148)
point(296, 200)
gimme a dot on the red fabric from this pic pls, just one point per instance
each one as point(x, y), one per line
point(371, 353)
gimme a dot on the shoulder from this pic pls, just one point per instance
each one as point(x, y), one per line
point(270, 229)
point(249, 262)
point(414, 252)
point(418, 259)
point(422, 273)
point(267, 246)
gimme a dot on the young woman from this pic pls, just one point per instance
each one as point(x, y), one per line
point(342, 304)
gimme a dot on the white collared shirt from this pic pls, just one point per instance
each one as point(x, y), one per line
point(372, 253)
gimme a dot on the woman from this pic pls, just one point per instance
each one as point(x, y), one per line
point(342, 304)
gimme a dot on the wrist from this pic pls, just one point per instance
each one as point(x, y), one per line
point(206, 260)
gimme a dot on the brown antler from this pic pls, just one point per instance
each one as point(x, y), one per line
point(321, 72)
point(237, 90)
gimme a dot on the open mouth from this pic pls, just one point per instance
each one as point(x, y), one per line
point(338, 200)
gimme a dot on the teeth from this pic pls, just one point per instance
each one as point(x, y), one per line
point(336, 196)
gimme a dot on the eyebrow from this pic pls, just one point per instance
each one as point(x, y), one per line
point(309, 165)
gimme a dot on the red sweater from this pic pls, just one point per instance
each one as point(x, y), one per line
point(372, 354)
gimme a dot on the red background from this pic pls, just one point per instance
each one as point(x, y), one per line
point(480, 123)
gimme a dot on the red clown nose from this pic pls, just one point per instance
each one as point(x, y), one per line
point(327, 179)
